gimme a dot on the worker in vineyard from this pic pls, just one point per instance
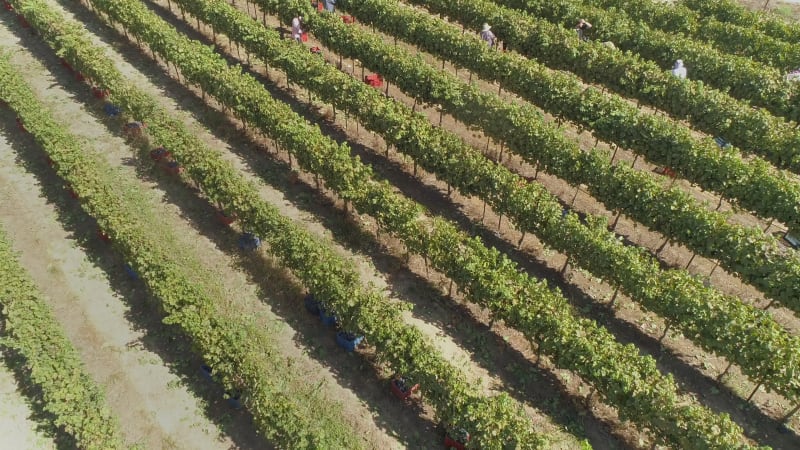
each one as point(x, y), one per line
point(678, 69)
point(581, 28)
point(793, 75)
point(487, 35)
point(297, 31)
point(330, 5)
point(134, 128)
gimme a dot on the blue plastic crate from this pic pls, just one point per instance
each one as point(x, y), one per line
point(327, 319)
point(721, 142)
point(249, 242)
point(312, 304)
point(348, 341)
point(206, 372)
point(131, 273)
point(111, 110)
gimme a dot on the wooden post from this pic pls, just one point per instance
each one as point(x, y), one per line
point(758, 386)
point(616, 220)
point(666, 330)
point(690, 261)
point(769, 224)
point(788, 415)
point(589, 397)
point(664, 244)
point(716, 264)
point(724, 372)
point(613, 298)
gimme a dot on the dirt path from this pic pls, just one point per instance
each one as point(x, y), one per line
point(788, 9)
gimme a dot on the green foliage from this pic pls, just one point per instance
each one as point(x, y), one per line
point(288, 411)
point(732, 12)
point(756, 257)
point(498, 422)
point(752, 185)
point(484, 275)
point(52, 363)
point(738, 76)
point(716, 322)
point(727, 37)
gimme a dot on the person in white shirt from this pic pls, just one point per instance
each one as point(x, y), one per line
point(487, 35)
point(678, 69)
point(297, 31)
point(793, 75)
point(581, 28)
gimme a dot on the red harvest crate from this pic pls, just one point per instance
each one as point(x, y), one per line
point(374, 80)
point(348, 19)
point(67, 65)
point(99, 93)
